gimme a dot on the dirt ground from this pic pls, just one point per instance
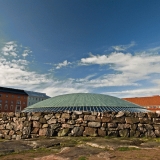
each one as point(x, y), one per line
point(81, 148)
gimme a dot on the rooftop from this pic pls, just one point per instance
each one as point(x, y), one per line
point(84, 102)
point(145, 101)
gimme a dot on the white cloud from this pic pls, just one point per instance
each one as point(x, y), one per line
point(63, 64)
point(130, 68)
point(135, 93)
point(124, 47)
point(9, 49)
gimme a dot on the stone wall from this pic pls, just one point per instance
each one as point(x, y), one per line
point(119, 124)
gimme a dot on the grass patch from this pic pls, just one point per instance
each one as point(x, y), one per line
point(127, 148)
point(82, 158)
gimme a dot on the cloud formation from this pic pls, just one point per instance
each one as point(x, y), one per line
point(63, 64)
point(123, 47)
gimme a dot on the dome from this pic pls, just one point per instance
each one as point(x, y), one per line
point(84, 102)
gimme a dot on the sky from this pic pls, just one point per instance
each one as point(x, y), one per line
point(81, 46)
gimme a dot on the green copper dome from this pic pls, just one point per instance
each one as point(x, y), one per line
point(84, 102)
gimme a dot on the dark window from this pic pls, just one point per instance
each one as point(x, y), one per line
point(11, 101)
point(0, 101)
point(18, 102)
point(18, 96)
point(11, 107)
point(0, 106)
point(6, 95)
point(6, 101)
point(0, 95)
point(6, 107)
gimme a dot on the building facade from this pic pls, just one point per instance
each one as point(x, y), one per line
point(152, 103)
point(35, 97)
point(12, 100)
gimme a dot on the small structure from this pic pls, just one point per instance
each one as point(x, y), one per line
point(12, 100)
point(84, 102)
point(34, 97)
point(152, 103)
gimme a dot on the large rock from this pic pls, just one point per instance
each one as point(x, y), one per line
point(124, 133)
point(102, 133)
point(65, 115)
point(63, 132)
point(52, 120)
point(131, 120)
point(94, 124)
point(77, 131)
point(120, 114)
point(90, 132)
point(36, 124)
point(106, 119)
point(43, 132)
point(89, 118)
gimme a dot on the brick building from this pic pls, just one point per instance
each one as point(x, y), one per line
point(152, 103)
point(12, 100)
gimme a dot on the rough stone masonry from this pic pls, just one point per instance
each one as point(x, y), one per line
point(120, 124)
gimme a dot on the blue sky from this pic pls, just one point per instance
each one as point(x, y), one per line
point(68, 46)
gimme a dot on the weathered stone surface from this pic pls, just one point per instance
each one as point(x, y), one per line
point(112, 125)
point(102, 133)
point(90, 132)
point(106, 119)
point(77, 112)
point(131, 120)
point(36, 124)
point(124, 133)
point(145, 120)
point(43, 132)
point(77, 131)
point(150, 133)
point(65, 115)
point(142, 115)
point(156, 120)
point(94, 124)
point(48, 116)
point(120, 114)
point(79, 120)
point(52, 120)
point(35, 118)
point(42, 120)
point(11, 132)
point(89, 118)
point(45, 126)
point(63, 132)
point(26, 131)
point(118, 120)
point(35, 131)
point(113, 133)
point(152, 115)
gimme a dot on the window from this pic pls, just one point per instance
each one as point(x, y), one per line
point(6, 101)
point(11, 107)
point(18, 96)
point(12, 96)
point(24, 103)
point(6, 107)
point(0, 106)
point(0, 95)
point(18, 102)
point(11, 101)
point(6, 95)
point(0, 101)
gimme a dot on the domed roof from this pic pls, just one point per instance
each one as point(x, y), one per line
point(84, 102)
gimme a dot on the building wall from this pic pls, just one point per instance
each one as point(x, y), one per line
point(152, 103)
point(35, 99)
point(12, 102)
